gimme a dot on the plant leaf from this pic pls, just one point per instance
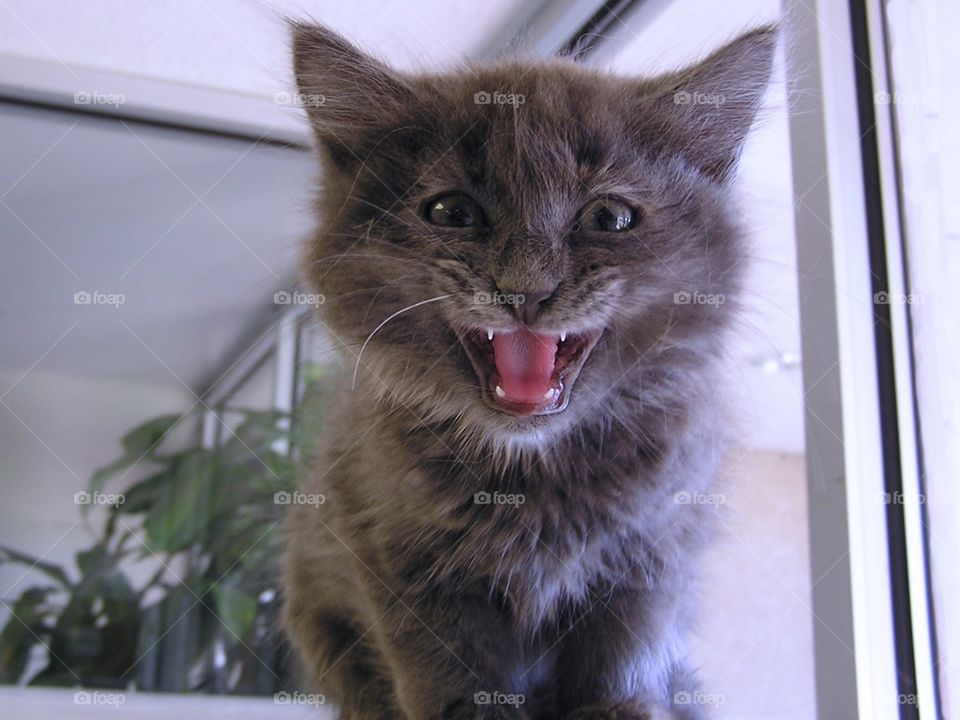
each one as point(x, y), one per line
point(52, 571)
point(183, 505)
point(139, 444)
point(20, 634)
point(89, 560)
point(144, 439)
point(140, 497)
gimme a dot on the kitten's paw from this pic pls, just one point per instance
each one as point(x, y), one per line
point(620, 711)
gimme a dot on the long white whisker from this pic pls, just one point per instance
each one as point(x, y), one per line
point(363, 347)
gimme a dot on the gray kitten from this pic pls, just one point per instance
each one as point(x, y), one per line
point(527, 261)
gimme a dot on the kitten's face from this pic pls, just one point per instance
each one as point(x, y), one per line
point(557, 225)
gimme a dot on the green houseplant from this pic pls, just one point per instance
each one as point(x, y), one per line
point(208, 518)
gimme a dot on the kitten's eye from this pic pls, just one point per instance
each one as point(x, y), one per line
point(607, 215)
point(454, 210)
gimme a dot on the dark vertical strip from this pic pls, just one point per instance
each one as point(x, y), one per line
point(915, 395)
point(889, 426)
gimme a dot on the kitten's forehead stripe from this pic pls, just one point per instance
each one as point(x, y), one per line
point(471, 150)
point(535, 159)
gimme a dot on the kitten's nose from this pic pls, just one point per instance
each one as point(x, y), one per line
point(527, 304)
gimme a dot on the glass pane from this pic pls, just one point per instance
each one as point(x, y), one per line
point(926, 110)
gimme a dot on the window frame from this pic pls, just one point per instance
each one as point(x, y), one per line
point(866, 552)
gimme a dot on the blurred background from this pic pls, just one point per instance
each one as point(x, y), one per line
point(161, 371)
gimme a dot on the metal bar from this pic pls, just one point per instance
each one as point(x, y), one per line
point(588, 37)
point(285, 379)
point(159, 102)
point(543, 31)
point(242, 368)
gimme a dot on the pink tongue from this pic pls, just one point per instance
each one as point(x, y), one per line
point(525, 363)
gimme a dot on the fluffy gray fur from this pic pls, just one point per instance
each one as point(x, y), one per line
point(406, 598)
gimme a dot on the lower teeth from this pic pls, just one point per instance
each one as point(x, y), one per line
point(550, 394)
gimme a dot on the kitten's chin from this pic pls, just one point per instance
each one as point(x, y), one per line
point(527, 374)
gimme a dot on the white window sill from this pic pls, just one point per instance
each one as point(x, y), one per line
point(64, 704)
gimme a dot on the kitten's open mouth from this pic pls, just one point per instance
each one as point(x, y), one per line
point(526, 373)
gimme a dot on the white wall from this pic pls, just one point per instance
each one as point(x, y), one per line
point(238, 45)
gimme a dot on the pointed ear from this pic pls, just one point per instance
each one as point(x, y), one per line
point(347, 94)
point(705, 112)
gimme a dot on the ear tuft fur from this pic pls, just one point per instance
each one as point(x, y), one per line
point(705, 112)
point(345, 91)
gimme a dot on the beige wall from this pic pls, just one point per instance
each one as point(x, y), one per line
point(755, 642)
